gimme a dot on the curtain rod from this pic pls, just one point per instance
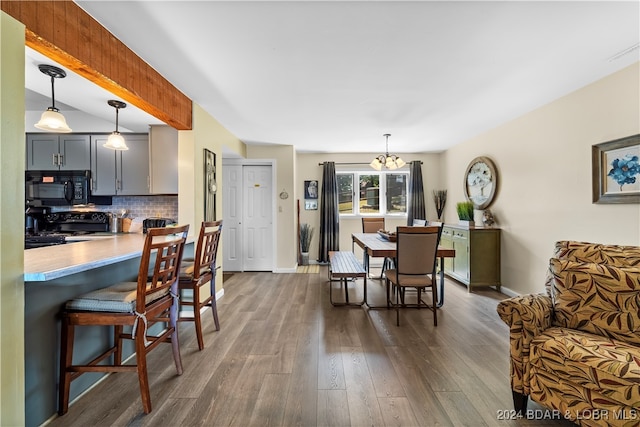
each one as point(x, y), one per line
point(347, 163)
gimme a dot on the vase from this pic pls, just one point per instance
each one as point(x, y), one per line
point(305, 258)
point(466, 223)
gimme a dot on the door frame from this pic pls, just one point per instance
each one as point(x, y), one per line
point(274, 222)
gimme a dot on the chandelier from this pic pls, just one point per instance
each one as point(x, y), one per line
point(389, 161)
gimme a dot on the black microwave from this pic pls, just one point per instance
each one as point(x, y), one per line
point(57, 188)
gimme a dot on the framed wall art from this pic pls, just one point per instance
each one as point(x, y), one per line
point(311, 189)
point(210, 185)
point(481, 182)
point(616, 171)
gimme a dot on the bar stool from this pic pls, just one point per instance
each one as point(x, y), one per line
point(138, 304)
point(197, 274)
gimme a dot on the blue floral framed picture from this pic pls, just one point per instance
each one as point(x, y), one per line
point(616, 171)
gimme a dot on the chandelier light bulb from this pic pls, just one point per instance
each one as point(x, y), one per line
point(391, 162)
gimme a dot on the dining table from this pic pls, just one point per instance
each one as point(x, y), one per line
point(374, 245)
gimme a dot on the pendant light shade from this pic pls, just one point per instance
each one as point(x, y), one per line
point(389, 161)
point(115, 140)
point(51, 120)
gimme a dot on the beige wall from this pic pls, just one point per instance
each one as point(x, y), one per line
point(308, 169)
point(207, 133)
point(283, 158)
point(544, 164)
point(12, 159)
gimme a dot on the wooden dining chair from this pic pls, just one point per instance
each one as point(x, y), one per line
point(416, 257)
point(202, 271)
point(152, 299)
point(373, 225)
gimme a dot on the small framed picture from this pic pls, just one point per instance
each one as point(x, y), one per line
point(311, 189)
point(616, 171)
point(311, 205)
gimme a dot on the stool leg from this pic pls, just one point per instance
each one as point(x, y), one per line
point(196, 315)
point(143, 377)
point(175, 343)
point(214, 305)
point(117, 342)
point(66, 359)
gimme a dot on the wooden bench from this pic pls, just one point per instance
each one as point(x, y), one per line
point(343, 266)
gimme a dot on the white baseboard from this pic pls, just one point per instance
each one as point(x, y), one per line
point(509, 292)
point(286, 270)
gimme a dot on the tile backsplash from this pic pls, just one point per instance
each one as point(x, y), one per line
point(139, 206)
point(146, 206)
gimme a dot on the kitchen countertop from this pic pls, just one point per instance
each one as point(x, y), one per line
point(53, 262)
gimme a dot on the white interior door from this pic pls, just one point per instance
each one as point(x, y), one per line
point(257, 218)
point(232, 214)
point(248, 217)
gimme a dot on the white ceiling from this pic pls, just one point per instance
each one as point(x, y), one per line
point(334, 76)
point(83, 104)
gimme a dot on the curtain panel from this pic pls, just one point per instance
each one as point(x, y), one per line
point(329, 214)
point(415, 207)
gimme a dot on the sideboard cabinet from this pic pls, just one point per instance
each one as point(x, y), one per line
point(477, 260)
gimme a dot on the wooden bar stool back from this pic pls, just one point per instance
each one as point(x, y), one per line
point(153, 298)
point(200, 273)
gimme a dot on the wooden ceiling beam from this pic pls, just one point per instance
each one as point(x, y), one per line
point(62, 31)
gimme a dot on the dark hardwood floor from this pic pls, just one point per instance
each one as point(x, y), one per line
point(285, 356)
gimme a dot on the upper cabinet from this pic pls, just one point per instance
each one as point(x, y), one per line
point(58, 152)
point(163, 148)
point(150, 166)
point(120, 173)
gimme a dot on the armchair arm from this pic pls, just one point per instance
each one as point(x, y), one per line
point(527, 317)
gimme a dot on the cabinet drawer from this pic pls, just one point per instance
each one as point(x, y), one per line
point(460, 234)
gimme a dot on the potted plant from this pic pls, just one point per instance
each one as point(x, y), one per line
point(440, 199)
point(465, 213)
point(306, 234)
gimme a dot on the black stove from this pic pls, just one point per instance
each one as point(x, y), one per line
point(56, 226)
point(42, 240)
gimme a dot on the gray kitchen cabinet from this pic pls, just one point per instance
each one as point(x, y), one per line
point(120, 173)
point(477, 260)
point(163, 151)
point(47, 151)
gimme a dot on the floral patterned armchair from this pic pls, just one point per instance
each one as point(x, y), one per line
point(576, 349)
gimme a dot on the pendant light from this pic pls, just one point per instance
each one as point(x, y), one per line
point(390, 162)
point(51, 120)
point(115, 140)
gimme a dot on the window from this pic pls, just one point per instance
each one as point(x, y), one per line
point(377, 193)
point(345, 192)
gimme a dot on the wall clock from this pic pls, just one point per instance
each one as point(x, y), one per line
point(481, 182)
